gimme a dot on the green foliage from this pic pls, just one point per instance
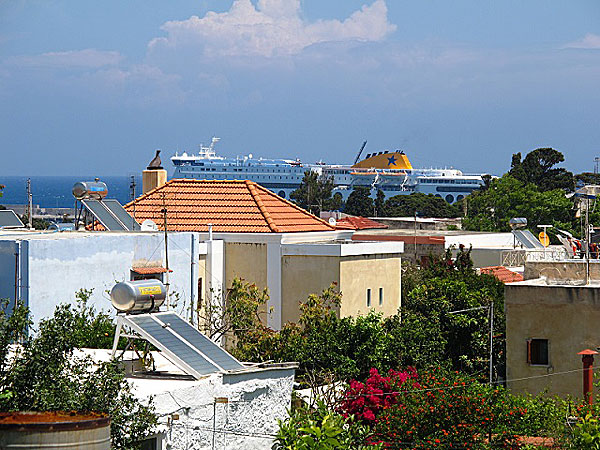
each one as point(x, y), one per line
point(507, 197)
point(440, 408)
point(360, 203)
point(320, 428)
point(46, 374)
point(458, 341)
point(38, 224)
point(587, 433)
point(587, 178)
point(423, 334)
point(314, 193)
point(538, 168)
point(427, 205)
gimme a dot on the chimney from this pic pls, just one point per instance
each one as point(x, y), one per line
point(587, 356)
point(154, 176)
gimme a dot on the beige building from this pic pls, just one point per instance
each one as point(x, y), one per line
point(253, 234)
point(548, 321)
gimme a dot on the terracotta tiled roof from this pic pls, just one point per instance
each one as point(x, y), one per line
point(230, 206)
point(359, 223)
point(502, 273)
point(149, 270)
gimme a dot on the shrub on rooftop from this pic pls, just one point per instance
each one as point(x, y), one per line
point(45, 373)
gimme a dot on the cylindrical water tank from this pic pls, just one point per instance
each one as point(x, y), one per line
point(90, 189)
point(138, 296)
point(33, 430)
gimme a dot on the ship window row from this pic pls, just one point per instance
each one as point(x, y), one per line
point(235, 169)
point(444, 180)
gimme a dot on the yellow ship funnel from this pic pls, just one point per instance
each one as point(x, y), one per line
point(384, 160)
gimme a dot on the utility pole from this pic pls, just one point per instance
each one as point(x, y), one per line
point(164, 211)
point(29, 205)
point(132, 197)
point(587, 240)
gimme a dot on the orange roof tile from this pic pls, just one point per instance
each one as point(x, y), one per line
point(230, 206)
point(150, 270)
point(502, 273)
point(358, 223)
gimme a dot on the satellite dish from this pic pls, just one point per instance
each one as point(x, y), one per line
point(332, 221)
point(149, 225)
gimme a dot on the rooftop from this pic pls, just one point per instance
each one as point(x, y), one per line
point(358, 223)
point(230, 206)
point(502, 273)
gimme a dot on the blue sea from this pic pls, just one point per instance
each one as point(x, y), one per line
point(55, 192)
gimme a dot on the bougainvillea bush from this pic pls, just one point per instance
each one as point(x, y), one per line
point(438, 409)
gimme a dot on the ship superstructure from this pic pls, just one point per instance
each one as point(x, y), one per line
point(390, 172)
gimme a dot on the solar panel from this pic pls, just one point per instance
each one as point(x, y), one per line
point(200, 342)
point(120, 213)
point(103, 215)
point(527, 239)
point(180, 352)
point(8, 219)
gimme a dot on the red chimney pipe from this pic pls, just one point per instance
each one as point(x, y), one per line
point(587, 356)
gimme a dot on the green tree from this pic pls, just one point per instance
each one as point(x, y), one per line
point(45, 374)
point(314, 192)
point(507, 197)
point(427, 205)
point(538, 168)
point(588, 178)
point(380, 210)
point(336, 203)
point(359, 202)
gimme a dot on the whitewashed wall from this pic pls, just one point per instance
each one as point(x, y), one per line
point(248, 421)
point(54, 268)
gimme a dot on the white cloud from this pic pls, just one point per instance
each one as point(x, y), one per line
point(589, 41)
point(273, 27)
point(88, 58)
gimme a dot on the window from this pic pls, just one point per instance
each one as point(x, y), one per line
point(368, 298)
point(380, 296)
point(537, 352)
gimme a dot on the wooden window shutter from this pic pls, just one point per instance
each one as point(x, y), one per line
point(528, 351)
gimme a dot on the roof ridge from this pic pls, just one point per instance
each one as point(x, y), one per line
point(252, 188)
point(152, 191)
point(308, 213)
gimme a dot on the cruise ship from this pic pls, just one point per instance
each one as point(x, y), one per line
point(388, 171)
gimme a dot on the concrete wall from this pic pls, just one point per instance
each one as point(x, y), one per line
point(484, 257)
point(54, 268)
point(568, 316)
point(359, 273)
point(248, 421)
point(247, 261)
point(561, 270)
point(302, 276)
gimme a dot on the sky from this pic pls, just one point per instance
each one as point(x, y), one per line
point(89, 87)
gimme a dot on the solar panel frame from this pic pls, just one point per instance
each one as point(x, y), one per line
point(104, 216)
point(8, 219)
point(121, 214)
point(174, 348)
point(201, 343)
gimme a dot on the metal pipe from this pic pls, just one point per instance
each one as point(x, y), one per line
point(491, 342)
point(587, 357)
